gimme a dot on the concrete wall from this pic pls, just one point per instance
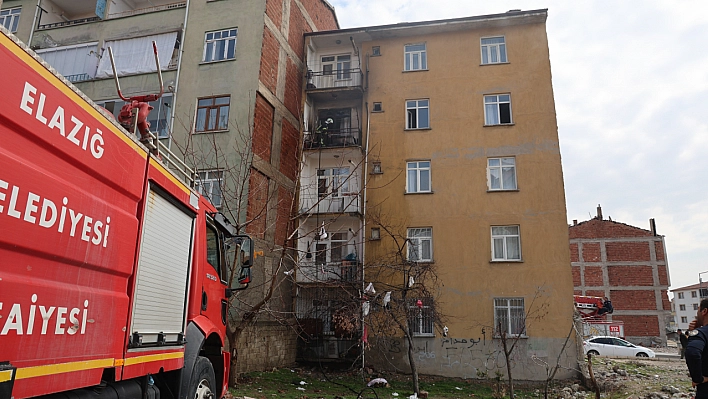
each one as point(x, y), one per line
point(266, 345)
point(461, 210)
point(628, 265)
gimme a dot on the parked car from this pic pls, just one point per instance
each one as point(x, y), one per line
point(613, 346)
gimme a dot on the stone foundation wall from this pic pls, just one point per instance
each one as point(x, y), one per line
point(265, 345)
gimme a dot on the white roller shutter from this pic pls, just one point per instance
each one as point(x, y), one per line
point(159, 303)
point(76, 63)
point(136, 55)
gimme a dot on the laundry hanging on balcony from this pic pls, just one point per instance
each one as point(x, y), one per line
point(136, 55)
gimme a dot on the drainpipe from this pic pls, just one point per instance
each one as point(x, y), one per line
point(179, 70)
point(34, 23)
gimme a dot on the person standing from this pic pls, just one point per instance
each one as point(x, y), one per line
point(606, 307)
point(697, 351)
point(683, 342)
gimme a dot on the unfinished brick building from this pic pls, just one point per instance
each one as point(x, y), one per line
point(628, 265)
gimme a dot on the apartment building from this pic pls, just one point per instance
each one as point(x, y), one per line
point(232, 73)
point(686, 302)
point(437, 142)
point(628, 265)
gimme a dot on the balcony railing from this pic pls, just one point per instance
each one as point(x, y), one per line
point(344, 271)
point(68, 23)
point(333, 138)
point(79, 77)
point(341, 78)
point(148, 10)
point(346, 203)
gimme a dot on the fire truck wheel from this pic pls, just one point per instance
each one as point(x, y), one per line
point(203, 383)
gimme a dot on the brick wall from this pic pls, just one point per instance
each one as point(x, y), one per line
point(624, 276)
point(633, 299)
point(605, 229)
point(293, 88)
point(298, 27)
point(262, 128)
point(659, 249)
point(574, 257)
point(627, 251)
point(591, 252)
point(600, 293)
point(639, 326)
point(593, 276)
point(290, 142)
point(663, 275)
point(266, 345)
point(321, 14)
point(274, 11)
point(268, 73)
point(576, 275)
point(257, 204)
point(665, 300)
point(283, 225)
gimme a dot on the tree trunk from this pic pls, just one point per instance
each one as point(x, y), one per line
point(507, 355)
point(411, 360)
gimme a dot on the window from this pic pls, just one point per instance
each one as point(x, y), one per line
point(10, 18)
point(509, 315)
point(501, 173)
point(376, 168)
point(418, 177)
point(159, 116)
point(493, 50)
point(212, 114)
point(417, 114)
point(695, 306)
point(682, 307)
point(704, 292)
point(693, 294)
point(209, 185)
point(421, 319)
point(684, 319)
point(334, 249)
point(506, 243)
point(680, 295)
point(213, 254)
point(378, 107)
point(334, 182)
point(415, 58)
point(342, 64)
point(220, 45)
point(420, 244)
point(375, 233)
point(375, 51)
point(497, 109)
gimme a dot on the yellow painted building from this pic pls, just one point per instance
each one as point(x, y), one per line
point(460, 157)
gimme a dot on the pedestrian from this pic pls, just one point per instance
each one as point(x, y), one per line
point(697, 351)
point(683, 342)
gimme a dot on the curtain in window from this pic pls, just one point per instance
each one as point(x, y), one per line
point(76, 63)
point(136, 55)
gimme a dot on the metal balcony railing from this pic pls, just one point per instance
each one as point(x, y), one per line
point(79, 77)
point(341, 78)
point(347, 137)
point(343, 271)
point(147, 10)
point(346, 203)
point(68, 23)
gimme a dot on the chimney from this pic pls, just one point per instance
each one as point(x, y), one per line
point(652, 226)
point(599, 212)
point(575, 222)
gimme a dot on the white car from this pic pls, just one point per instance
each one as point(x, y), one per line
point(613, 346)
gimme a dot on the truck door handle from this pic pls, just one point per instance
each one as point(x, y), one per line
point(205, 300)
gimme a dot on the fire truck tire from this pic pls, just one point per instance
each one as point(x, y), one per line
point(202, 385)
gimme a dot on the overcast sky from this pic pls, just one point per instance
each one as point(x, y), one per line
point(631, 90)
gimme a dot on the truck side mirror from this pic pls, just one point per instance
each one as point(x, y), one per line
point(244, 245)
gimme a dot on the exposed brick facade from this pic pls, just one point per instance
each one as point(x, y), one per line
point(321, 14)
point(263, 128)
point(293, 88)
point(627, 264)
point(269, 61)
point(620, 276)
point(274, 11)
point(290, 142)
point(298, 27)
point(283, 225)
point(257, 210)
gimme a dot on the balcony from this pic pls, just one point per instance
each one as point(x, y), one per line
point(145, 10)
point(343, 84)
point(346, 203)
point(339, 138)
point(331, 272)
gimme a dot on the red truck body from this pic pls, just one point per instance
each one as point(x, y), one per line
point(110, 269)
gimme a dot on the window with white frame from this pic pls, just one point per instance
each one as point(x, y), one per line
point(493, 50)
point(10, 18)
point(417, 114)
point(695, 306)
point(415, 57)
point(680, 295)
point(506, 243)
point(333, 190)
point(682, 307)
point(501, 173)
point(209, 185)
point(497, 109)
point(694, 294)
point(220, 45)
point(418, 177)
point(341, 64)
point(684, 319)
point(420, 244)
point(509, 316)
point(421, 320)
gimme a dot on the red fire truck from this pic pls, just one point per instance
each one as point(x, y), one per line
point(113, 271)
